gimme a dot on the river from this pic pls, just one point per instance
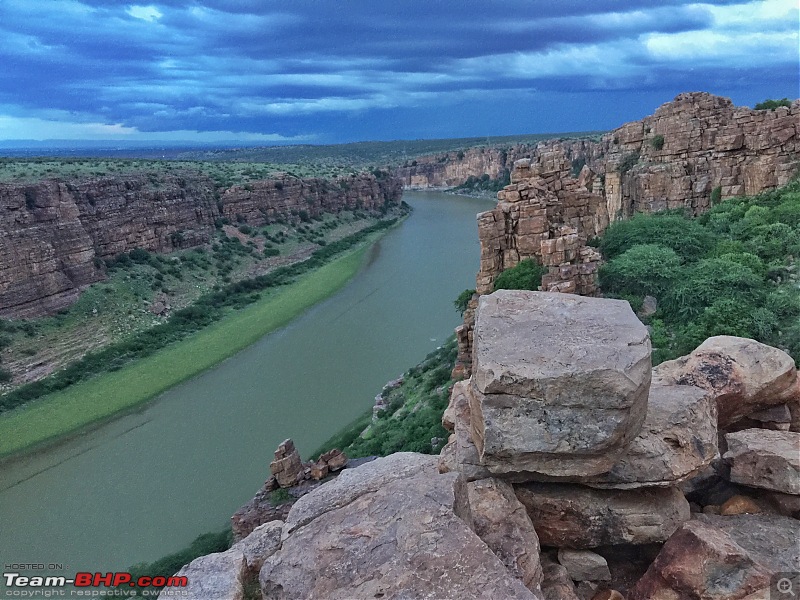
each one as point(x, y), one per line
point(149, 482)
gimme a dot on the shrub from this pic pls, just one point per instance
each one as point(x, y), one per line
point(687, 237)
point(646, 269)
point(527, 275)
point(628, 162)
point(770, 104)
point(271, 252)
point(657, 142)
point(463, 300)
point(716, 195)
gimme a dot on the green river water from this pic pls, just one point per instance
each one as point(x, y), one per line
point(148, 483)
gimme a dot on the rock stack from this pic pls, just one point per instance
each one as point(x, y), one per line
point(573, 472)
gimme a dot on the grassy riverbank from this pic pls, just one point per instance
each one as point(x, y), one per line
point(105, 395)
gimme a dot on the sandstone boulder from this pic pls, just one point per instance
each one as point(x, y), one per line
point(765, 459)
point(771, 540)
point(387, 529)
point(743, 375)
point(220, 576)
point(678, 438)
point(579, 517)
point(559, 382)
point(501, 521)
point(584, 565)
point(703, 562)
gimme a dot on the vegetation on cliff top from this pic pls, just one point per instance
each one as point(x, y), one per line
point(730, 271)
point(771, 104)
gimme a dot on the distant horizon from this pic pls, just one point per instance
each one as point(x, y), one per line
point(265, 73)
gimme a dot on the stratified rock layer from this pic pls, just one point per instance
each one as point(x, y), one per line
point(559, 384)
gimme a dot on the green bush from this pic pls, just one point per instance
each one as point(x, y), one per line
point(687, 237)
point(527, 275)
point(770, 104)
point(657, 142)
point(647, 269)
point(463, 300)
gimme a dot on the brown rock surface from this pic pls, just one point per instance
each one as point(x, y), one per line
point(559, 382)
point(743, 375)
point(701, 562)
point(500, 520)
point(387, 529)
point(575, 516)
point(460, 454)
point(769, 539)
point(765, 459)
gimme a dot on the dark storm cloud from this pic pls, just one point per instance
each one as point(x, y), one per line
point(304, 68)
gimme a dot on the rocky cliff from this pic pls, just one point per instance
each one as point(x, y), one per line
point(573, 472)
point(674, 158)
point(55, 234)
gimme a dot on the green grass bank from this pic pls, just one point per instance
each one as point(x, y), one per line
point(103, 396)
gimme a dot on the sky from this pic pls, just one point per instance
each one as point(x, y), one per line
point(261, 72)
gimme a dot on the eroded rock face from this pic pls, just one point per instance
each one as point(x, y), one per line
point(262, 543)
point(743, 375)
point(575, 516)
point(500, 520)
point(559, 383)
point(584, 565)
point(701, 561)
point(765, 459)
point(287, 468)
point(387, 529)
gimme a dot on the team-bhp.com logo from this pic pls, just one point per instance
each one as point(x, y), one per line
point(17, 583)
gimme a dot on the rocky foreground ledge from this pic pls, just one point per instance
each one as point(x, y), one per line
point(573, 471)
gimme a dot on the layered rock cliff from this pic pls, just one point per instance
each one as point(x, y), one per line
point(674, 158)
point(55, 234)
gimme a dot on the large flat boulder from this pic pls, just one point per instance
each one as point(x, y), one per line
point(559, 382)
point(390, 529)
point(743, 375)
point(575, 516)
point(701, 562)
point(765, 459)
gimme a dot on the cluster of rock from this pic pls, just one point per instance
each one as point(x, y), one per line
point(287, 471)
point(573, 471)
point(54, 234)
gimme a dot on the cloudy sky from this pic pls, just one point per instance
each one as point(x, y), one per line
point(324, 71)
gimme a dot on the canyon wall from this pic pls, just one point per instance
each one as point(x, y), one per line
point(691, 149)
point(54, 234)
point(674, 158)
